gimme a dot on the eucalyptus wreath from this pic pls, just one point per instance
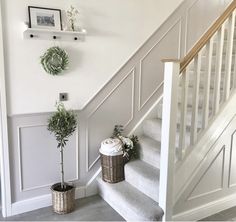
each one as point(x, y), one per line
point(55, 60)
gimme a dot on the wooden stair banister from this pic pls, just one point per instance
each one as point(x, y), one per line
point(207, 36)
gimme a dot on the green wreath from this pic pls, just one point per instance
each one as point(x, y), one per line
point(55, 60)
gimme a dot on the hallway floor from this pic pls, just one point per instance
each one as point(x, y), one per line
point(226, 215)
point(96, 209)
point(87, 209)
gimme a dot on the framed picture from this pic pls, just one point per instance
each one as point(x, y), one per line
point(45, 18)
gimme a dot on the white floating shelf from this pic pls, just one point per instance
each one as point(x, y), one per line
point(45, 34)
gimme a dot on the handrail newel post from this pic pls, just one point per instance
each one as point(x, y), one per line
point(168, 138)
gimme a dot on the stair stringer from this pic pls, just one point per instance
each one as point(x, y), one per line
point(202, 185)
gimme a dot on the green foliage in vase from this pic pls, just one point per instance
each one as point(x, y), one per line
point(55, 60)
point(129, 143)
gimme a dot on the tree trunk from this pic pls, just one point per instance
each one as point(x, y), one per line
point(62, 169)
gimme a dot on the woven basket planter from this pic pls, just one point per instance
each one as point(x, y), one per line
point(112, 168)
point(63, 201)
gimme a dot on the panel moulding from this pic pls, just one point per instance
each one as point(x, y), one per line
point(140, 104)
point(231, 185)
point(200, 179)
point(132, 72)
point(22, 189)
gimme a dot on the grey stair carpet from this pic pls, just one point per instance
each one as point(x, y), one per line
point(129, 202)
point(149, 151)
point(144, 177)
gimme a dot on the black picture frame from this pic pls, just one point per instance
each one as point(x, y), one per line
point(46, 20)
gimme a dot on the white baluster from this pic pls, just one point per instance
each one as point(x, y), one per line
point(205, 109)
point(183, 119)
point(230, 41)
point(196, 82)
point(170, 107)
point(219, 55)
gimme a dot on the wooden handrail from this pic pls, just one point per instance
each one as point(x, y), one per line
point(207, 36)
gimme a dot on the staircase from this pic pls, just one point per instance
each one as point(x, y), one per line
point(206, 78)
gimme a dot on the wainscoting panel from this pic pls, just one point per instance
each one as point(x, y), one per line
point(232, 164)
point(151, 73)
point(212, 181)
point(32, 153)
point(206, 185)
point(119, 104)
point(209, 10)
point(35, 159)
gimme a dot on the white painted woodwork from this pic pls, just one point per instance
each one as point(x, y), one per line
point(209, 49)
point(212, 183)
point(4, 146)
point(230, 37)
point(194, 120)
point(219, 56)
point(184, 104)
point(167, 166)
point(44, 34)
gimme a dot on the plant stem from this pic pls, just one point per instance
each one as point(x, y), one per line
point(62, 169)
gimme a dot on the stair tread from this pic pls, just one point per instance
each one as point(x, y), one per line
point(129, 202)
point(144, 169)
point(144, 177)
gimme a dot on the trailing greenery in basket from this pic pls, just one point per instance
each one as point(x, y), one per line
point(129, 143)
point(55, 60)
point(62, 124)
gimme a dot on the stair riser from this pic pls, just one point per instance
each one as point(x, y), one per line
point(151, 156)
point(149, 186)
point(151, 129)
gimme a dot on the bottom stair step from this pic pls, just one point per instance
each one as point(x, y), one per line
point(129, 202)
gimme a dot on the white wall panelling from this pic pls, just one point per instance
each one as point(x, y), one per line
point(152, 73)
point(35, 158)
point(120, 104)
point(209, 10)
point(33, 155)
point(232, 164)
point(210, 182)
point(125, 99)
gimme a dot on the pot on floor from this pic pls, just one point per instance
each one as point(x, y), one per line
point(63, 200)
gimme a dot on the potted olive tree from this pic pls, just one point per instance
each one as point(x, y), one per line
point(62, 124)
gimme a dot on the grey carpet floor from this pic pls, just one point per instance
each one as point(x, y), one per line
point(87, 209)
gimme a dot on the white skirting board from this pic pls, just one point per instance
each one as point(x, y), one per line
point(207, 209)
point(20, 207)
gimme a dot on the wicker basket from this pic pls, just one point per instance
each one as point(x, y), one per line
point(112, 168)
point(63, 201)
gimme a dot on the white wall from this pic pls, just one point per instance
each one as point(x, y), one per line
point(115, 30)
